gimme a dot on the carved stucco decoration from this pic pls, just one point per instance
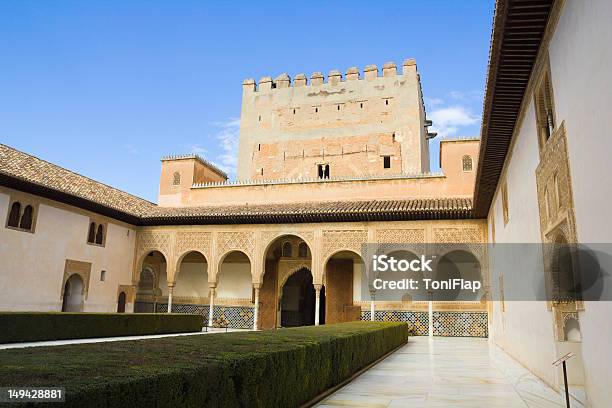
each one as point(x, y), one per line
point(187, 241)
point(336, 240)
point(155, 241)
point(288, 267)
point(399, 236)
point(268, 237)
point(243, 241)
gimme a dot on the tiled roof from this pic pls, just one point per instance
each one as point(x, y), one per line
point(20, 166)
point(325, 211)
point(24, 172)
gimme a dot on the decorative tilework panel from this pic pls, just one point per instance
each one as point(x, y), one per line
point(446, 324)
point(460, 324)
point(418, 322)
point(236, 317)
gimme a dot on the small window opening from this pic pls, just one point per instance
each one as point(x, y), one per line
point(361, 105)
point(303, 250)
point(259, 147)
point(323, 171)
point(259, 118)
point(386, 102)
point(100, 235)
point(387, 162)
point(316, 110)
point(102, 276)
point(91, 236)
point(13, 220)
point(294, 111)
point(287, 249)
point(338, 107)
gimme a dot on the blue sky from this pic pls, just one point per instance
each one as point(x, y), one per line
point(106, 88)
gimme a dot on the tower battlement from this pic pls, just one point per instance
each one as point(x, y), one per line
point(359, 123)
point(334, 77)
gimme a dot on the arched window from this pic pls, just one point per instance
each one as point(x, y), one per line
point(26, 218)
point(176, 179)
point(287, 249)
point(100, 235)
point(303, 250)
point(467, 163)
point(13, 220)
point(91, 236)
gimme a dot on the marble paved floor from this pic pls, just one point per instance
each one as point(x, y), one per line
point(447, 372)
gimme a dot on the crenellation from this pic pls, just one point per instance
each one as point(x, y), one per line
point(352, 74)
point(317, 78)
point(265, 83)
point(282, 81)
point(249, 84)
point(389, 69)
point(340, 112)
point(334, 77)
point(370, 72)
point(300, 80)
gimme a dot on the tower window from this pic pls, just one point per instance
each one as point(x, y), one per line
point(338, 107)
point(467, 163)
point(361, 105)
point(102, 276)
point(176, 178)
point(387, 162)
point(387, 102)
point(259, 147)
point(316, 110)
point(294, 111)
point(323, 171)
point(259, 118)
point(91, 236)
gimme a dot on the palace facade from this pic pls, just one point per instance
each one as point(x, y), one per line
point(327, 164)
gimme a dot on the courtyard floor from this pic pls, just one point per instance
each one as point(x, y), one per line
point(447, 372)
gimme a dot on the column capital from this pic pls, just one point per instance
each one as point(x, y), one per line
point(257, 286)
point(170, 285)
point(318, 286)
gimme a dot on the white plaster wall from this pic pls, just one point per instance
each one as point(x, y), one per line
point(192, 280)
point(525, 329)
point(32, 264)
point(581, 60)
point(234, 281)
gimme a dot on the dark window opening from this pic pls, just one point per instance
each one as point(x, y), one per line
point(323, 170)
point(303, 250)
point(294, 111)
point(316, 110)
point(287, 249)
point(386, 102)
point(100, 235)
point(259, 147)
point(338, 107)
point(387, 162)
point(259, 119)
point(13, 220)
point(361, 105)
point(26, 218)
point(91, 236)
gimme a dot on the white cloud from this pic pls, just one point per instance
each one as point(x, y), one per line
point(198, 149)
point(432, 102)
point(227, 138)
point(447, 121)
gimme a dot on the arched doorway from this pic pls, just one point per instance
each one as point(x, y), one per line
point(121, 303)
point(233, 298)
point(298, 301)
point(73, 294)
point(191, 288)
point(283, 256)
point(458, 264)
point(343, 272)
point(152, 288)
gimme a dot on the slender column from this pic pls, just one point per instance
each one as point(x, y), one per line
point(372, 310)
point(431, 315)
point(317, 303)
point(170, 289)
point(256, 309)
point(211, 309)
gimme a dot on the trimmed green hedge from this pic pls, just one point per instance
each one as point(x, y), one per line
point(39, 326)
point(282, 368)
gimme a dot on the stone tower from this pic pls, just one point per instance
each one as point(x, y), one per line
point(351, 126)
